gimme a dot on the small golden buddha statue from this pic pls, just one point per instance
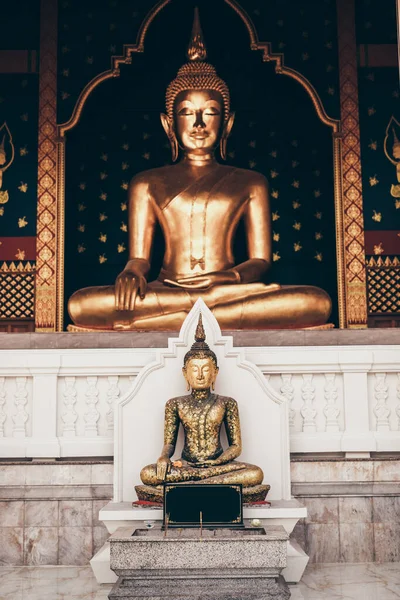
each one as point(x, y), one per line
point(198, 204)
point(202, 414)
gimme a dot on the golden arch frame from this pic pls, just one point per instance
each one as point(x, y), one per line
point(255, 44)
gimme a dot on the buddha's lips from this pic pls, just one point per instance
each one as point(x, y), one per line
point(199, 136)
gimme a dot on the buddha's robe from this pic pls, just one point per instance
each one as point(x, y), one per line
point(199, 216)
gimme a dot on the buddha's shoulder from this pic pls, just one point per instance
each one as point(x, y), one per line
point(151, 175)
point(177, 400)
point(249, 177)
point(227, 400)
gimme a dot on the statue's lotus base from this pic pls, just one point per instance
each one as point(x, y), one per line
point(148, 493)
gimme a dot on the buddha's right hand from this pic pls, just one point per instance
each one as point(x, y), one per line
point(163, 467)
point(129, 284)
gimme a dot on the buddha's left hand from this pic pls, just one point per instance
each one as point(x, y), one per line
point(204, 281)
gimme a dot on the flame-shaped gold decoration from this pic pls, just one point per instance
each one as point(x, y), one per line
point(391, 147)
point(6, 156)
point(200, 334)
point(197, 49)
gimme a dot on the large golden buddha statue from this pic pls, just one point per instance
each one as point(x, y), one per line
point(202, 414)
point(198, 203)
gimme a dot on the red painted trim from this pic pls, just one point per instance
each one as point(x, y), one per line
point(390, 241)
point(10, 246)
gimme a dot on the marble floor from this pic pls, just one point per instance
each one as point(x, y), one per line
point(320, 582)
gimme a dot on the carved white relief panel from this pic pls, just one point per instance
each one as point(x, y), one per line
point(3, 413)
point(69, 415)
point(315, 401)
point(20, 414)
point(85, 404)
point(384, 401)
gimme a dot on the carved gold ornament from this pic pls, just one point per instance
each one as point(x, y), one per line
point(391, 147)
point(7, 154)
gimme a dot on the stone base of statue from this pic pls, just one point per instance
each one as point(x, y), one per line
point(194, 564)
point(148, 493)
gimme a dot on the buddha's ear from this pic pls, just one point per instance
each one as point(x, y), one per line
point(229, 124)
point(169, 130)
point(225, 134)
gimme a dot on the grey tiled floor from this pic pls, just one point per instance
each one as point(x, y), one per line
point(320, 582)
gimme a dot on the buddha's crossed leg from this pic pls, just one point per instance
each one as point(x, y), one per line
point(241, 306)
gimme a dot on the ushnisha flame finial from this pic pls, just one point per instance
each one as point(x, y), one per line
point(197, 49)
point(200, 334)
point(200, 348)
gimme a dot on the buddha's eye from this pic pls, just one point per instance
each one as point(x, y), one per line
point(212, 112)
point(185, 112)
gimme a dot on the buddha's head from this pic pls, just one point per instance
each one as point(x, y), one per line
point(200, 367)
point(198, 105)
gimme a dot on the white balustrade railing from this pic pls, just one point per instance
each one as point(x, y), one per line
point(60, 402)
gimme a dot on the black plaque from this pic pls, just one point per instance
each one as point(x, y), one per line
point(203, 505)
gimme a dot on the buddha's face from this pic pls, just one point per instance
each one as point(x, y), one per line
point(198, 118)
point(200, 373)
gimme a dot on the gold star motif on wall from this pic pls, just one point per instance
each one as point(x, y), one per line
point(23, 187)
point(103, 237)
point(102, 258)
point(124, 226)
point(276, 256)
point(275, 216)
point(276, 236)
point(297, 246)
point(297, 225)
point(377, 216)
point(373, 181)
point(22, 222)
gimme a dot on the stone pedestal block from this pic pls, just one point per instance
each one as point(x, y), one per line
point(234, 564)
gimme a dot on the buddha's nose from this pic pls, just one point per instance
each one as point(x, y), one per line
point(199, 119)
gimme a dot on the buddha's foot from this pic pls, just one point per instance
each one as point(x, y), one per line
point(149, 493)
